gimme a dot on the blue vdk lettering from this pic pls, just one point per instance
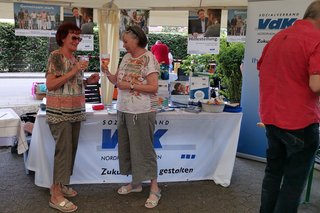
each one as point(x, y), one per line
point(110, 142)
point(275, 24)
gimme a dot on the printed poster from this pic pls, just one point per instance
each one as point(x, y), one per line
point(237, 24)
point(204, 28)
point(129, 17)
point(36, 19)
point(83, 18)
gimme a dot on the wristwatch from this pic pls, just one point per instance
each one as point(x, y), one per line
point(131, 86)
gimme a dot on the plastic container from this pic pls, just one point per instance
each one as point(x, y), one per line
point(98, 107)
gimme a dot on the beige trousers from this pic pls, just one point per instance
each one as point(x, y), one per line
point(66, 136)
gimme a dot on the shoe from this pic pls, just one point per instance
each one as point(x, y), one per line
point(123, 190)
point(68, 191)
point(64, 206)
point(153, 203)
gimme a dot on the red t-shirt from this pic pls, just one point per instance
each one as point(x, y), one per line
point(161, 52)
point(287, 61)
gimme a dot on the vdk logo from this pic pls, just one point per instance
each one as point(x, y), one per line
point(110, 142)
point(276, 24)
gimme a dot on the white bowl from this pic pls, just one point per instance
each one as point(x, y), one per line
point(212, 107)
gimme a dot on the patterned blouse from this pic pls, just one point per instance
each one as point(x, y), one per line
point(135, 70)
point(68, 102)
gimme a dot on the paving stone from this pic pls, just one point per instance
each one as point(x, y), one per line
point(19, 194)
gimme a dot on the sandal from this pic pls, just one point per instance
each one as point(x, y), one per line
point(68, 191)
point(153, 203)
point(123, 190)
point(64, 206)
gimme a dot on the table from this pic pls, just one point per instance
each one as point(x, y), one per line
point(11, 130)
point(189, 147)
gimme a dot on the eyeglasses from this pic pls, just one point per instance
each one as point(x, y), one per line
point(76, 38)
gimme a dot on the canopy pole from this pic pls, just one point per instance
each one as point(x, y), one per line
point(108, 43)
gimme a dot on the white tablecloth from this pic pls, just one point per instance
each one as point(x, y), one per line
point(11, 128)
point(189, 147)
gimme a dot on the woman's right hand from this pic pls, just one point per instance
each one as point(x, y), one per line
point(105, 69)
point(81, 65)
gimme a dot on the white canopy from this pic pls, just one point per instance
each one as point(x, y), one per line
point(141, 4)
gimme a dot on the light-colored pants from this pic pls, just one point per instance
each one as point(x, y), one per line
point(135, 146)
point(66, 136)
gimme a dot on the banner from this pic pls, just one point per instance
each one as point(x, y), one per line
point(204, 31)
point(189, 147)
point(36, 19)
point(237, 24)
point(265, 19)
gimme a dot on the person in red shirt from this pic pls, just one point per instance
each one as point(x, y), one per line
point(161, 52)
point(289, 73)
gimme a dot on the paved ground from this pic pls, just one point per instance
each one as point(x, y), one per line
point(19, 194)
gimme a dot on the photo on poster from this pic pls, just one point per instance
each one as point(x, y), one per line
point(130, 17)
point(179, 88)
point(204, 23)
point(204, 26)
point(237, 23)
point(36, 19)
point(82, 17)
point(179, 92)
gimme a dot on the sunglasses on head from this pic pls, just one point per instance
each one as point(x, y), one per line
point(76, 38)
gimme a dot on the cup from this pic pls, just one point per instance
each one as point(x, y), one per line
point(84, 60)
point(105, 59)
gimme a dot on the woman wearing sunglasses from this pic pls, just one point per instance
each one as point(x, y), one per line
point(137, 82)
point(65, 110)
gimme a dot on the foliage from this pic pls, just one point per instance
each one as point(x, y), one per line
point(228, 69)
point(197, 62)
point(19, 53)
point(177, 43)
point(175, 30)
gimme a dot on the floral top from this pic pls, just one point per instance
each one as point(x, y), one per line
point(68, 102)
point(135, 70)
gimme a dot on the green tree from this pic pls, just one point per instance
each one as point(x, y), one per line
point(228, 69)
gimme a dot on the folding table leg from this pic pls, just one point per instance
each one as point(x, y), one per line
point(309, 184)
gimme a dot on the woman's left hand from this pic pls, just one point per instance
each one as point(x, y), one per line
point(94, 78)
point(123, 85)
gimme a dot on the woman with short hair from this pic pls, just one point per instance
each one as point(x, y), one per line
point(137, 82)
point(65, 110)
